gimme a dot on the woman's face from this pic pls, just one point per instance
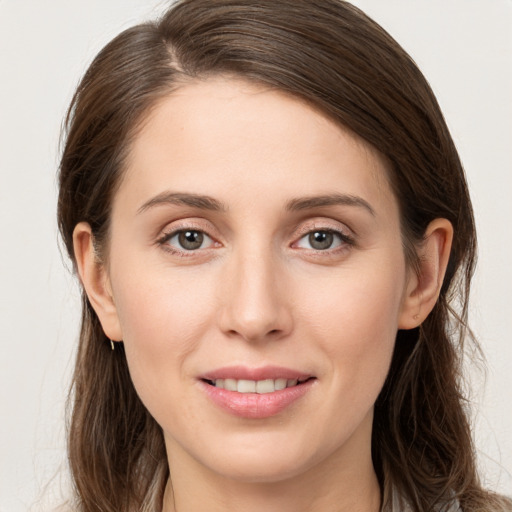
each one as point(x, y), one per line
point(255, 244)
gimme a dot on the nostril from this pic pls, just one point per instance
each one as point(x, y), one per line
point(273, 332)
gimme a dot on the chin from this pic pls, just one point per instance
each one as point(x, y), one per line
point(267, 470)
point(264, 459)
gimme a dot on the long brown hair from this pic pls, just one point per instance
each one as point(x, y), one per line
point(330, 54)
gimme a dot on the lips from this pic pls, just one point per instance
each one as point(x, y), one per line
point(255, 386)
point(263, 373)
point(255, 393)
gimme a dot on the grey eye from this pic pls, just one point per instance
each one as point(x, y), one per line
point(190, 240)
point(321, 240)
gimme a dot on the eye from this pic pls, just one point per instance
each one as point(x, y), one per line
point(322, 240)
point(188, 240)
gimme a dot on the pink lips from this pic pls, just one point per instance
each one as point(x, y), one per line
point(255, 405)
point(266, 372)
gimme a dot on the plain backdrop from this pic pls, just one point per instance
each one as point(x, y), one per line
point(464, 47)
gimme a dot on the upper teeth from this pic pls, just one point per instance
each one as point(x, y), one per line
point(254, 386)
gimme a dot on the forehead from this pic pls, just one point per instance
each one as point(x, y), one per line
point(218, 134)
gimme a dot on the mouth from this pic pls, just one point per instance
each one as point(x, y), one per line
point(256, 393)
point(257, 386)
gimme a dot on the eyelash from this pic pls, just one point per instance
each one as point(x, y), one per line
point(345, 241)
point(163, 241)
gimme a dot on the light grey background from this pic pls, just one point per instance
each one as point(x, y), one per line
point(464, 48)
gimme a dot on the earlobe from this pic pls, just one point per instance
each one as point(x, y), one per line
point(423, 288)
point(95, 280)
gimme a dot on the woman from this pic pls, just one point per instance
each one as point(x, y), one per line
point(275, 240)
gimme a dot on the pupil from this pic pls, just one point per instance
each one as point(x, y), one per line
point(321, 240)
point(191, 239)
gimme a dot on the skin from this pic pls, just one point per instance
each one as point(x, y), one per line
point(257, 292)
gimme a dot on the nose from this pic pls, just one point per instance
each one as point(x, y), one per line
point(254, 305)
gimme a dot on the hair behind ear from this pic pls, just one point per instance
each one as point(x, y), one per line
point(116, 449)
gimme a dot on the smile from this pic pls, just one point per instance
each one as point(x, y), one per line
point(255, 393)
point(255, 386)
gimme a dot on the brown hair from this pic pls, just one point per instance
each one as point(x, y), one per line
point(330, 54)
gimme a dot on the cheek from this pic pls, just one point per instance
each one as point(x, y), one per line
point(159, 315)
point(354, 318)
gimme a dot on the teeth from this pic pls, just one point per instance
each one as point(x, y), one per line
point(280, 384)
point(230, 384)
point(255, 386)
point(246, 386)
point(265, 386)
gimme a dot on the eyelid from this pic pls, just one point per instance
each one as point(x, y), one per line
point(324, 225)
point(173, 234)
point(191, 223)
point(174, 228)
point(346, 235)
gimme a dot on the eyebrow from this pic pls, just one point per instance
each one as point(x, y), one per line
point(204, 202)
point(184, 199)
point(307, 203)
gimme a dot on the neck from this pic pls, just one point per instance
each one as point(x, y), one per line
point(278, 497)
point(341, 483)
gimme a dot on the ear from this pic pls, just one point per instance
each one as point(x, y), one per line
point(422, 290)
point(95, 280)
